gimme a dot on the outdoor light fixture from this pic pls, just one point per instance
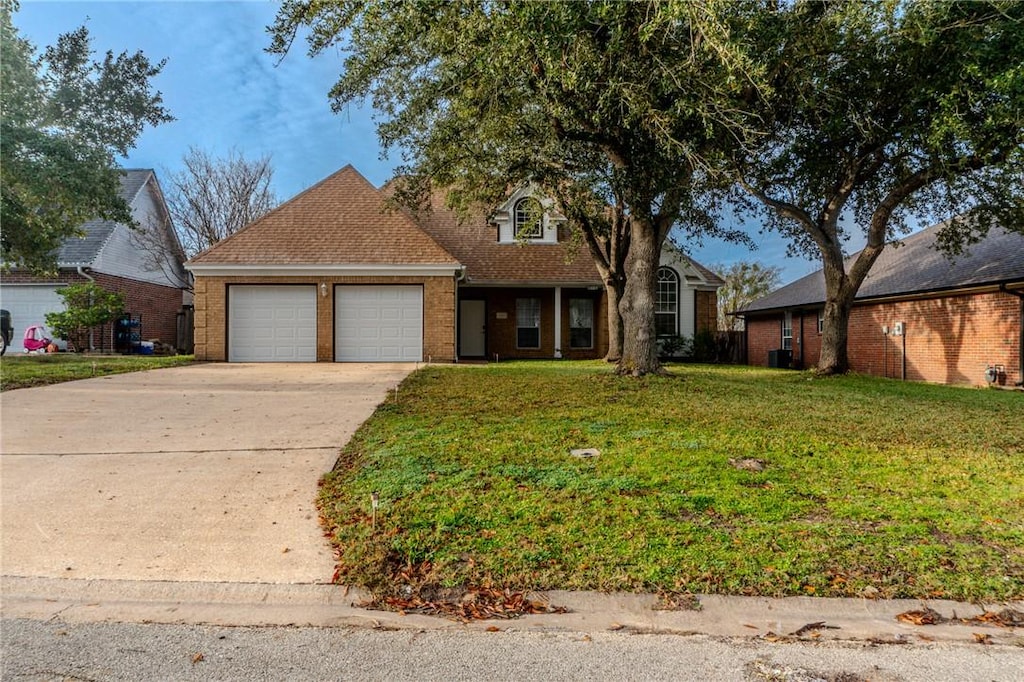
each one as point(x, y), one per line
point(323, 289)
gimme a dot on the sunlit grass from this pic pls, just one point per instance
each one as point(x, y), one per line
point(910, 489)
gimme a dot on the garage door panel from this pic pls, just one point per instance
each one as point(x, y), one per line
point(379, 323)
point(272, 323)
point(28, 305)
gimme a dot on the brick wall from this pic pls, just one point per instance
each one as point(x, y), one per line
point(501, 322)
point(950, 339)
point(158, 305)
point(438, 313)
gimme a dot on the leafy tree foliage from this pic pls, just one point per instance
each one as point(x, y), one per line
point(86, 306)
point(881, 113)
point(63, 120)
point(745, 282)
point(615, 110)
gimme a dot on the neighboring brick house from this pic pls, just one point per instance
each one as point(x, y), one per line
point(333, 275)
point(918, 315)
point(113, 255)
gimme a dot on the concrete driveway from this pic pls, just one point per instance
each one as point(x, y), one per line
point(199, 473)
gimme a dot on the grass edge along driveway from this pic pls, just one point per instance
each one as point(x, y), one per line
point(28, 370)
point(870, 486)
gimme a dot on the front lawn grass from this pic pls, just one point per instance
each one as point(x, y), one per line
point(870, 486)
point(24, 371)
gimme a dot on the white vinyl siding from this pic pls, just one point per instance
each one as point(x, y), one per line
point(378, 323)
point(271, 323)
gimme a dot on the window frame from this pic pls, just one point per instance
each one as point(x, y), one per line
point(590, 329)
point(821, 321)
point(535, 303)
point(659, 314)
point(787, 325)
point(520, 215)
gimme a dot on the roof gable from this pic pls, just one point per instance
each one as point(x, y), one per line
point(343, 219)
point(84, 250)
point(913, 267)
point(474, 241)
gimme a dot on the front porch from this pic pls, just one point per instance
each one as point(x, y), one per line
point(500, 323)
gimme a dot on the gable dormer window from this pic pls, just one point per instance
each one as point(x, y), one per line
point(528, 219)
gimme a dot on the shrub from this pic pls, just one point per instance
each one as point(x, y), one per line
point(86, 306)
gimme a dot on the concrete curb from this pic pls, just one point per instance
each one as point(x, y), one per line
point(265, 604)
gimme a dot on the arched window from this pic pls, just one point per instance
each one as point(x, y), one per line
point(528, 219)
point(666, 304)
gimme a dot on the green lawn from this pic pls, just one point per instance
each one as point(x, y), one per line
point(23, 371)
point(909, 490)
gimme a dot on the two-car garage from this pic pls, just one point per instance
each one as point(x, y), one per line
point(371, 323)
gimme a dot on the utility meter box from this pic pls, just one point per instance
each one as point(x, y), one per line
point(897, 329)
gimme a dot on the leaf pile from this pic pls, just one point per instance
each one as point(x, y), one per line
point(476, 604)
point(1007, 618)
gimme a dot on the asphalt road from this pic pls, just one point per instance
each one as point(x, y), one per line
point(36, 650)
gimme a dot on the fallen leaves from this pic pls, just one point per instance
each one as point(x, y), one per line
point(1007, 618)
point(476, 604)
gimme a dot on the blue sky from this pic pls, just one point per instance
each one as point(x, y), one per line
point(226, 92)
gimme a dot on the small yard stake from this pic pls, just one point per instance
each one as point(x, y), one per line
point(374, 503)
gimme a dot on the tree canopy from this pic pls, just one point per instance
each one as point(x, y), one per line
point(879, 115)
point(745, 282)
point(614, 110)
point(64, 119)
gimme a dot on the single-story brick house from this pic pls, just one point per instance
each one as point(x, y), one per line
point(918, 315)
point(334, 275)
point(152, 282)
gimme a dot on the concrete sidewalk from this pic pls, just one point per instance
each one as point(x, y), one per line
point(200, 473)
point(248, 604)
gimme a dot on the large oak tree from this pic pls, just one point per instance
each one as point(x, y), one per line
point(613, 109)
point(64, 119)
point(881, 114)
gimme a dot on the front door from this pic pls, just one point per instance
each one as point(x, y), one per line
point(472, 329)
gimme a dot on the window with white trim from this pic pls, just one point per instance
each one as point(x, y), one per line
point(528, 219)
point(821, 321)
point(666, 303)
point(581, 323)
point(527, 323)
point(787, 331)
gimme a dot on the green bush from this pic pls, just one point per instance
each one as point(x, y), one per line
point(86, 306)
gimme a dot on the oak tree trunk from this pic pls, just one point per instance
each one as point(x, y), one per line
point(839, 297)
point(614, 288)
point(639, 343)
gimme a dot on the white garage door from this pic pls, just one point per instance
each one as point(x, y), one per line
point(271, 323)
point(28, 305)
point(378, 323)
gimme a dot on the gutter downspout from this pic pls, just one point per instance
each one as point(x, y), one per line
point(81, 271)
point(1020, 341)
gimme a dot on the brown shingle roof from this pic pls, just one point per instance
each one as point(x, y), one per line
point(340, 220)
point(475, 244)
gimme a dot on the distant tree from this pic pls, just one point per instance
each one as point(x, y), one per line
point(86, 306)
point(212, 198)
point(612, 109)
point(64, 119)
point(745, 282)
point(880, 112)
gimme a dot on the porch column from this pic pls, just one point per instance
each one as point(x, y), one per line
point(558, 322)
